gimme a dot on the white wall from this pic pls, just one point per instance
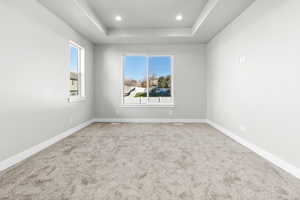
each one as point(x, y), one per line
point(34, 58)
point(253, 80)
point(189, 81)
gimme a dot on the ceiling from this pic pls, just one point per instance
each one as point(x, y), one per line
point(147, 21)
point(148, 13)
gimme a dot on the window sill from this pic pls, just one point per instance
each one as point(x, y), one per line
point(76, 99)
point(148, 106)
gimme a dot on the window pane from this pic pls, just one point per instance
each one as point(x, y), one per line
point(74, 71)
point(135, 76)
point(160, 79)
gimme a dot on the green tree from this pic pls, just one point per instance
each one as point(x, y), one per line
point(164, 81)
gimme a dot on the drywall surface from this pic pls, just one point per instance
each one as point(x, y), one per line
point(34, 83)
point(189, 81)
point(253, 79)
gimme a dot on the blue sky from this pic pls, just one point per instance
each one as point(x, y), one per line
point(135, 66)
point(74, 59)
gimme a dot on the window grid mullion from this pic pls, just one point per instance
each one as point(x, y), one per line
point(147, 69)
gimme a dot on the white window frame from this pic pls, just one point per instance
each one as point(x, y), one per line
point(166, 105)
point(82, 78)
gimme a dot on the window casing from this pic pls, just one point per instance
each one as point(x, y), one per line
point(147, 81)
point(76, 72)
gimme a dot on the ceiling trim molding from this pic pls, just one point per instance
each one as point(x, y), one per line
point(84, 6)
point(208, 8)
point(161, 32)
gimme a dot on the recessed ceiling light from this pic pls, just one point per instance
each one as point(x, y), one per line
point(179, 17)
point(118, 18)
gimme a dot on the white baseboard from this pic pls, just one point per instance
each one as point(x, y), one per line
point(147, 120)
point(37, 148)
point(265, 154)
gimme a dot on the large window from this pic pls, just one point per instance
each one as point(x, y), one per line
point(147, 80)
point(77, 75)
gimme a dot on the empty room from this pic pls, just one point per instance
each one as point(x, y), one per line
point(150, 100)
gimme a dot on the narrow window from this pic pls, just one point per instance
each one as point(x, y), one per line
point(77, 75)
point(147, 80)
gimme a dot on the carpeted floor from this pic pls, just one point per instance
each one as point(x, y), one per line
point(147, 162)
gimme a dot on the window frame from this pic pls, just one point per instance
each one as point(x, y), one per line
point(82, 75)
point(166, 105)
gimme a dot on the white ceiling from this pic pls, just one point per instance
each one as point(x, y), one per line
point(147, 21)
point(148, 13)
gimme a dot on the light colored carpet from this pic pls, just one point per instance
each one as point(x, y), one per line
point(147, 162)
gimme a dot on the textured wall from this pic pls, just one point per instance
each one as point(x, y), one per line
point(253, 77)
point(34, 77)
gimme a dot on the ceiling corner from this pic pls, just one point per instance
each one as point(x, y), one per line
point(84, 6)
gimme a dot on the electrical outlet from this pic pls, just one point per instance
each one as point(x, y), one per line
point(242, 59)
point(71, 119)
point(170, 112)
